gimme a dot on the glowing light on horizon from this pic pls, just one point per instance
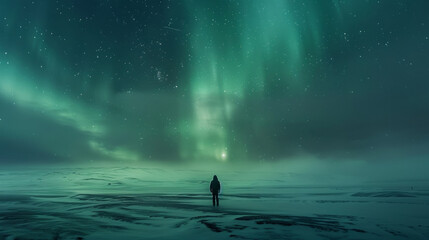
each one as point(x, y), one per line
point(223, 155)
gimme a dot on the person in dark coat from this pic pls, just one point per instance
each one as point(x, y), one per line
point(215, 189)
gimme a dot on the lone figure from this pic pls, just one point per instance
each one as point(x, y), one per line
point(215, 189)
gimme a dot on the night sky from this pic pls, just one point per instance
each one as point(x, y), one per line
point(216, 81)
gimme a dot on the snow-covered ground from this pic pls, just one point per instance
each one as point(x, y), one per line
point(153, 203)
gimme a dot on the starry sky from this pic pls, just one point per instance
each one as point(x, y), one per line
point(219, 82)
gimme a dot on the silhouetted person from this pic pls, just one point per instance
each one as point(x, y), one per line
point(215, 189)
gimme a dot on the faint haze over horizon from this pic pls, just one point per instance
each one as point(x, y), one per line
point(244, 82)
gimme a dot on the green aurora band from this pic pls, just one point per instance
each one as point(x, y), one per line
point(207, 81)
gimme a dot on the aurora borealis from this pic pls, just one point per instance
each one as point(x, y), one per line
point(213, 81)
